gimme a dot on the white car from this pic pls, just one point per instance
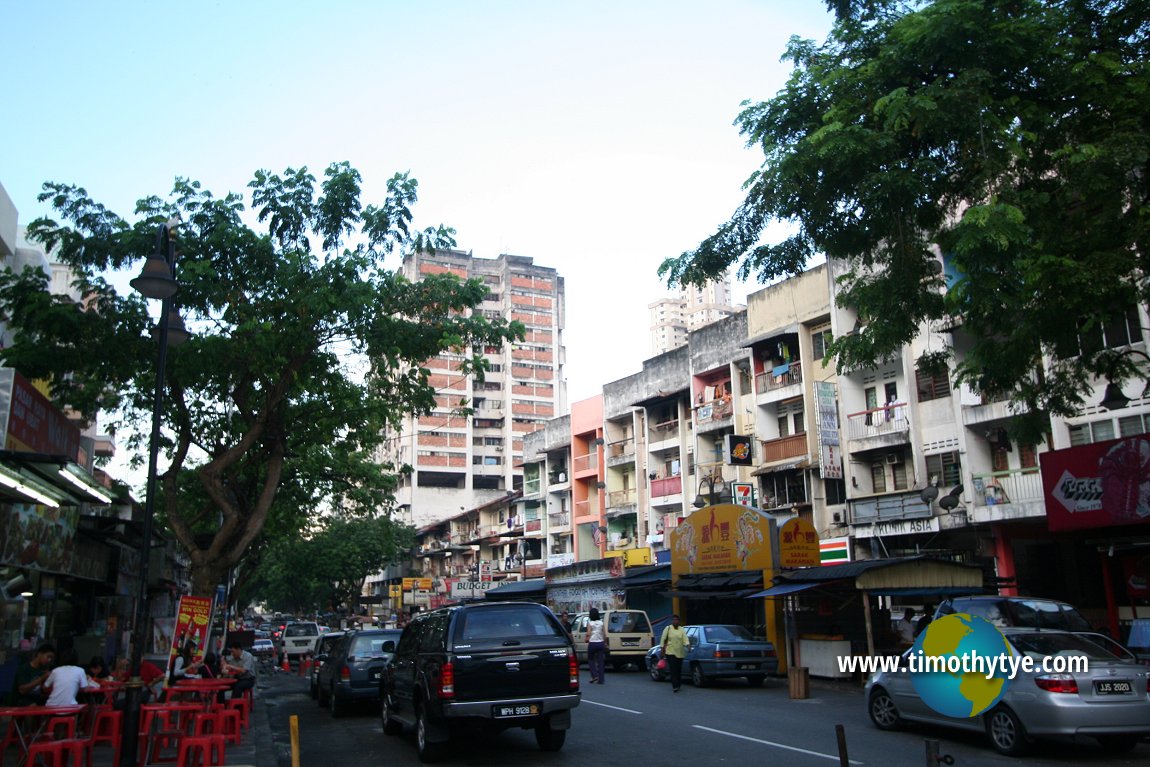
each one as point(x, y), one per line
point(263, 648)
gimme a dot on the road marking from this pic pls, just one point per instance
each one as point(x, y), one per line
point(770, 743)
point(617, 708)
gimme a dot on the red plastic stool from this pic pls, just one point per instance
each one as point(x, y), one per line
point(244, 706)
point(231, 720)
point(55, 753)
point(55, 725)
point(207, 750)
point(106, 728)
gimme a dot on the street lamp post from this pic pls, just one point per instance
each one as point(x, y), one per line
point(714, 494)
point(1113, 398)
point(157, 280)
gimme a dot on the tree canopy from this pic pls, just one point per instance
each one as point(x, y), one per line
point(1008, 136)
point(306, 349)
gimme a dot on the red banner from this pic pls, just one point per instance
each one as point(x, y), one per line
point(1097, 485)
point(192, 621)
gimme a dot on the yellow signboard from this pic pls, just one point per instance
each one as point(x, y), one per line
point(798, 544)
point(723, 538)
point(417, 584)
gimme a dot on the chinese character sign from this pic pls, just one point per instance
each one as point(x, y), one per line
point(722, 538)
point(830, 453)
point(192, 621)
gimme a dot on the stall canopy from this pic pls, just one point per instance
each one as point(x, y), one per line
point(535, 588)
point(899, 576)
point(647, 577)
point(717, 585)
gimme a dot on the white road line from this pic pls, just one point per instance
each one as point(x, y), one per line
point(833, 757)
point(586, 702)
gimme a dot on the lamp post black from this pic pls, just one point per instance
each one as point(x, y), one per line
point(714, 496)
point(1113, 398)
point(157, 280)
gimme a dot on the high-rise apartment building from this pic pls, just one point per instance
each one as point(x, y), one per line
point(673, 318)
point(461, 462)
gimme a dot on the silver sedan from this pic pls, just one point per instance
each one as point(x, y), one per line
point(1110, 702)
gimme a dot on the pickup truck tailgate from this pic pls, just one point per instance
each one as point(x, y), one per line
point(511, 671)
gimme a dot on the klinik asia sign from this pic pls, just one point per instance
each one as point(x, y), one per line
point(1098, 485)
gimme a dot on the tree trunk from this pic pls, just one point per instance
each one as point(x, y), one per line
point(207, 573)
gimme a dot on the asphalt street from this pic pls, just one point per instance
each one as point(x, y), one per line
point(634, 721)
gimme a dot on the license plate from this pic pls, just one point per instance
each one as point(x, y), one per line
point(630, 642)
point(523, 709)
point(1113, 688)
point(747, 666)
point(376, 676)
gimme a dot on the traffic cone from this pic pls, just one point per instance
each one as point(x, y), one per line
point(286, 665)
point(304, 665)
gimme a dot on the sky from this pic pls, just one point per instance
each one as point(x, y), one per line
point(594, 137)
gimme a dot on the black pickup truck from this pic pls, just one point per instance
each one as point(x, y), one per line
point(490, 665)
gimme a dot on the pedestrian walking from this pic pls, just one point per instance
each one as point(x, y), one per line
point(596, 646)
point(674, 644)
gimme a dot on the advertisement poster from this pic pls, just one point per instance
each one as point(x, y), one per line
point(193, 618)
point(723, 538)
point(1097, 485)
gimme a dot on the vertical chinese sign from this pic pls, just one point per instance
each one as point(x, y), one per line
point(830, 452)
point(192, 621)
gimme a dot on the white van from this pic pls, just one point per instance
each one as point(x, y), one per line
point(628, 637)
point(299, 639)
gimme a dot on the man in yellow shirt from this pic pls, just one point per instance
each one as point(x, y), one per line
point(674, 644)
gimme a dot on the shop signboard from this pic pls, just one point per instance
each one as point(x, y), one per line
point(193, 616)
point(897, 527)
point(798, 544)
point(1097, 485)
point(834, 551)
point(743, 493)
point(469, 589)
point(830, 452)
point(723, 538)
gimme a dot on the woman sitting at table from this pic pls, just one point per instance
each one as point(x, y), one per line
point(183, 667)
point(66, 680)
point(98, 671)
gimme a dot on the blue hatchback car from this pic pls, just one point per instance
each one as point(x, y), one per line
point(720, 651)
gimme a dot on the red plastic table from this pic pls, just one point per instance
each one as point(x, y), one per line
point(28, 722)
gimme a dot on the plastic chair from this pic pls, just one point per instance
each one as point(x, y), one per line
point(55, 753)
point(207, 750)
point(244, 706)
point(106, 728)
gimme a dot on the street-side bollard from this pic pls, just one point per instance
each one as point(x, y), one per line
point(294, 722)
point(841, 737)
point(934, 758)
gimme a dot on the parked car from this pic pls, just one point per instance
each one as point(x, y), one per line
point(1110, 702)
point(493, 665)
point(628, 636)
point(1022, 612)
point(299, 639)
point(263, 648)
point(323, 649)
point(351, 672)
point(720, 651)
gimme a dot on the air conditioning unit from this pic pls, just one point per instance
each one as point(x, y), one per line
point(894, 458)
point(837, 517)
point(499, 448)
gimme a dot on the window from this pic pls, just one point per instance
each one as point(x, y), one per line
point(1111, 332)
point(1132, 424)
point(799, 423)
point(878, 477)
point(784, 426)
point(1028, 458)
point(901, 480)
point(1096, 431)
point(932, 385)
point(836, 490)
point(946, 467)
point(820, 340)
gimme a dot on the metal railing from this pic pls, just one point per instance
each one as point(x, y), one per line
point(767, 381)
point(888, 419)
point(1011, 486)
point(622, 497)
point(794, 446)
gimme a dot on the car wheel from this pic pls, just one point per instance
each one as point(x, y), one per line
point(698, 678)
point(1118, 744)
point(756, 680)
point(549, 739)
point(883, 711)
point(656, 674)
point(1006, 732)
point(428, 751)
point(390, 726)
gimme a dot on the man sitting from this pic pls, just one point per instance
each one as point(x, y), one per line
point(240, 665)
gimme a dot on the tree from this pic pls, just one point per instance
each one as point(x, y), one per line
point(1009, 136)
point(306, 350)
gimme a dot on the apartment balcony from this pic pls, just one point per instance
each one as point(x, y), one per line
point(532, 487)
point(621, 544)
point(533, 528)
point(585, 464)
point(779, 383)
point(1001, 496)
point(880, 427)
point(622, 498)
point(794, 446)
point(663, 435)
point(888, 507)
point(661, 488)
point(990, 413)
point(713, 415)
point(558, 522)
point(621, 451)
point(584, 508)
